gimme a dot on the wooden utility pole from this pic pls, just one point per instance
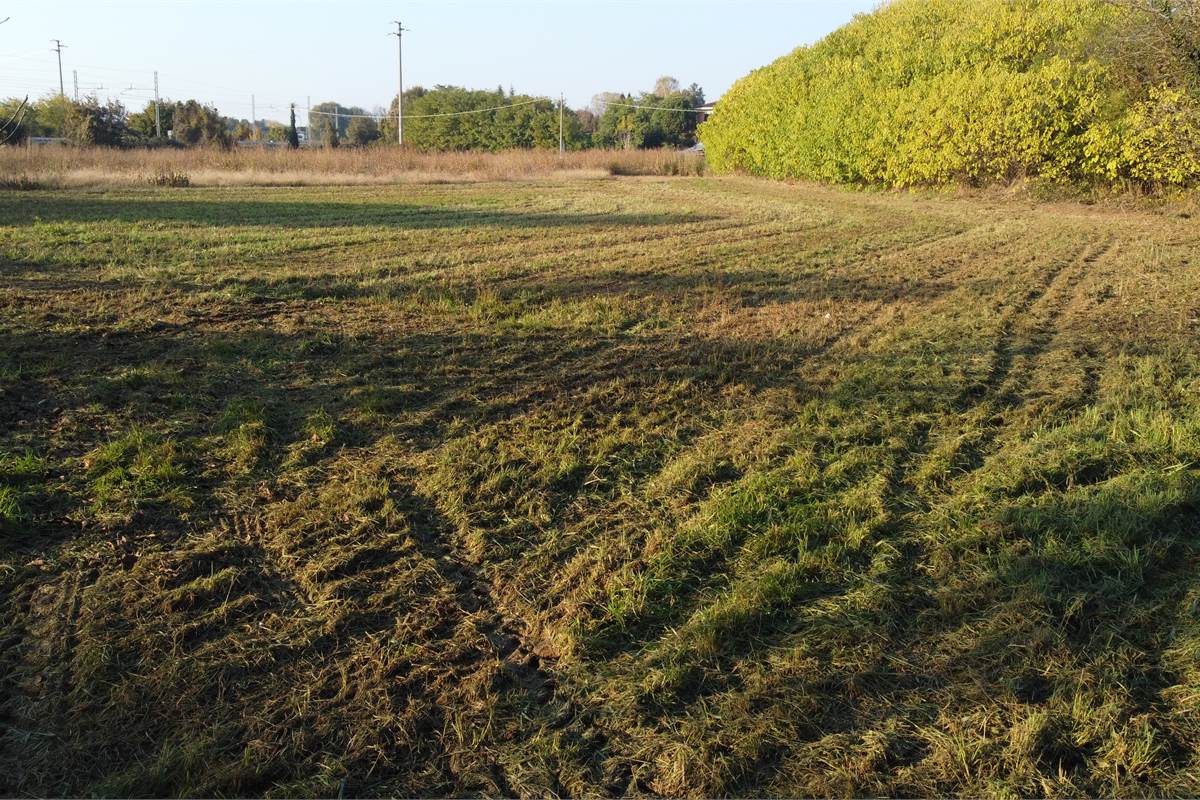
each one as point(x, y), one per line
point(58, 48)
point(399, 34)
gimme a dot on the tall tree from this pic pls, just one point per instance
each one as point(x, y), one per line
point(666, 86)
point(293, 136)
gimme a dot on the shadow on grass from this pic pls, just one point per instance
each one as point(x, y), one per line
point(747, 287)
point(283, 213)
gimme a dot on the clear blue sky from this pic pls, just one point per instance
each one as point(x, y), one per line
point(288, 50)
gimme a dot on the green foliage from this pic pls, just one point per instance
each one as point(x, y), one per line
point(321, 131)
point(15, 118)
point(499, 121)
point(197, 124)
point(132, 473)
point(361, 131)
point(49, 116)
point(142, 123)
point(660, 119)
point(939, 91)
point(1156, 141)
point(241, 130)
point(277, 132)
point(19, 479)
point(293, 136)
point(92, 123)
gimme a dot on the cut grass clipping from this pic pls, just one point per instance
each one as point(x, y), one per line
point(667, 486)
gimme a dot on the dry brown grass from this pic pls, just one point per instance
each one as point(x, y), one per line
point(69, 167)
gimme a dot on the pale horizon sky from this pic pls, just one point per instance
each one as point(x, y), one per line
point(221, 52)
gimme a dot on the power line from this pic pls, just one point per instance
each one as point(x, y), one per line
point(653, 108)
point(446, 114)
point(398, 33)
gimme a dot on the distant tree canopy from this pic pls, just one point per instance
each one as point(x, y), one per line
point(662, 118)
point(141, 123)
point(441, 118)
point(108, 124)
point(16, 116)
point(453, 118)
point(331, 121)
point(194, 123)
point(87, 122)
point(277, 132)
point(91, 122)
point(362, 131)
point(940, 91)
point(45, 117)
point(240, 130)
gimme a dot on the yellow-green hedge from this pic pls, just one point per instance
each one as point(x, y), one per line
point(938, 91)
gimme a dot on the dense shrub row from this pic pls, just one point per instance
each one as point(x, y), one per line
point(937, 91)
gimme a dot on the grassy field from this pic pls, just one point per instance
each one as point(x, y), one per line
point(686, 486)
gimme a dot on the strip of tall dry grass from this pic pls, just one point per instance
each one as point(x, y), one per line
point(71, 167)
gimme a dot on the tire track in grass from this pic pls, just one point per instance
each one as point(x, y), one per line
point(428, 540)
point(1036, 320)
point(1027, 334)
point(32, 715)
point(506, 637)
point(1032, 321)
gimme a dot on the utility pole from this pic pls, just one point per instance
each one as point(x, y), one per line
point(308, 120)
point(58, 48)
point(561, 146)
point(253, 118)
point(399, 34)
point(157, 115)
point(75, 77)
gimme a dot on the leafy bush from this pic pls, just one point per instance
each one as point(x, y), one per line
point(1157, 141)
point(938, 91)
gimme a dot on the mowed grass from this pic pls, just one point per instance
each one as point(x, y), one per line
point(682, 486)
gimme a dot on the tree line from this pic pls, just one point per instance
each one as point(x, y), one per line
point(110, 124)
point(441, 118)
